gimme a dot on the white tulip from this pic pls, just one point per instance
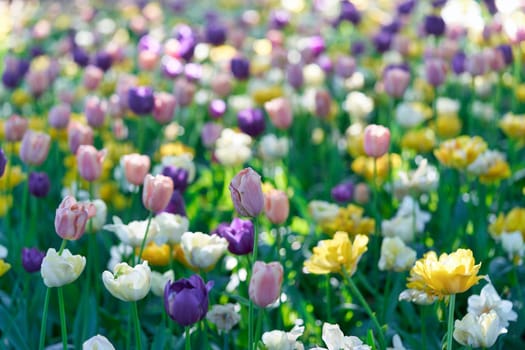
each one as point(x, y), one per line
point(128, 283)
point(58, 270)
point(202, 250)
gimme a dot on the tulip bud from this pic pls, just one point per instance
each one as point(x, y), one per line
point(39, 184)
point(35, 147)
point(343, 192)
point(78, 134)
point(246, 193)
point(164, 109)
point(15, 128)
point(136, 168)
point(157, 192)
point(251, 121)
point(89, 162)
point(71, 218)
point(141, 100)
point(103, 60)
point(434, 25)
point(265, 283)
point(294, 75)
point(222, 85)
point(376, 140)
point(59, 270)
point(184, 91)
point(179, 176)
point(92, 77)
point(210, 132)
point(396, 81)
point(95, 111)
point(345, 66)
point(435, 71)
point(59, 116)
point(147, 60)
point(280, 112)
point(186, 300)
point(38, 81)
point(32, 259)
point(98, 342)
point(362, 193)
point(240, 68)
point(323, 103)
point(128, 283)
point(216, 108)
point(276, 206)
point(239, 234)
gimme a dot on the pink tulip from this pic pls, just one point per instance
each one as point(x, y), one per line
point(323, 103)
point(35, 147)
point(376, 140)
point(71, 218)
point(89, 161)
point(95, 111)
point(435, 71)
point(148, 60)
point(120, 130)
point(265, 284)
point(396, 81)
point(280, 112)
point(222, 84)
point(78, 134)
point(136, 168)
point(59, 116)
point(184, 91)
point(276, 206)
point(92, 77)
point(246, 193)
point(15, 128)
point(38, 81)
point(164, 109)
point(157, 192)
point(210, 132)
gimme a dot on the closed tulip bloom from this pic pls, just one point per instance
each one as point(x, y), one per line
point(280, 112)
point(176, 204)
point(148, 60)
point(210, 132)
point(186, 300)
point(78, 134)
point(15, 127)
point(164, 109)
point(345, 66)
point(376, 140)
point(184, 91)
point(59, 116)
point(128, 283)
point(103, 60)
point(216, 108)
point(222, 84)
point(251, 121)
point(92, 77)
point(59, 270)
point(323, 103)
point(178, 175)
point(240, 68)
point(136, 167)
point(157, 192)
point(239, 234)
point(98, 342)
point(32, 259)
point(265, 283)
point(38, 81)
point(435, 71)
point(246, 193)
point(141, 100)
point(35, 147)
point(434, 25)
point(39, 184)
point(71, 218)
point(276, 206)
point(201, 250)
point(295, 76)
point(396, 81)
point(89, 161)
point(95, 111)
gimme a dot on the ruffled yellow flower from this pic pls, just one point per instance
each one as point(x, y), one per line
point(512, 222)
point(337, 254)
point(265, 94)
point(156, 255)
point(513, 126)
point(349, 220)
point(4, 267)
point(498, 171)
point(364, 166)
point(448, 126)
point(174, 149)
point(450, 274)
point(458, 153)
point(421, 141)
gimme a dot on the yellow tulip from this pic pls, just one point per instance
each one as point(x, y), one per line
point(459, 152)
point(421, 141)
point(156, 255)
point(337, 255)
point(4, 267)
point(349, 220)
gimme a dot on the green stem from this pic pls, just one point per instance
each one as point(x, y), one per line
point(44, 320)
point(450, 323)
point(139, 258)
point(386, 295)
point(328, 299)
point(259, 326)
point(250, 325)
point(63, 326)
point(62, 246)
point(250, 308)
point(355, 291)
point(136, 320)
point(187, 337)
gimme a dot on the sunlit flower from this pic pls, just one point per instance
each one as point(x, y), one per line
point(279, 340)
point(128, 283)
point(395, 255)
point(512, 243)
point(420, 141)
point(364, 166)
point(512, 222)
point(335, 339)
point(417, 297)
point(201, 250)
point(349, 219)
point(133, 233)
point(460, 152)
point(323, 211)
point(4, 267)
point(513, 126)
point(489, 300)
point(478, 331)
point(408, 221)
point(156, 255)
point(490, 166)
point(233, 148)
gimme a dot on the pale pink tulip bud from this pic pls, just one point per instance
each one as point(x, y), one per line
point(184, 91)
point(157, 192)
point(89, 161)
point(246, 193)
point(210, 132)
point(59, 116)
point(222, 85)
point(92, 77)
point(265, 283)
point(15, 128)
point(376, 140)
point(361, 193)
point(120, 130)
point(435, 71)
point(477, 64)
point(276, 206)
point(78, 134)
point(280, 112)
point(164, 109)
point(401, 44)
point(95, 111)
point(136, 168)
point(38, 81)
point(148, 60)
point(396, 81)
point(323, 103)
point(35, 147)
point(71, 218)
point(115, 110)
point(495, 59)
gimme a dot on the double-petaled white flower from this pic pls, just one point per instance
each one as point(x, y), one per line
point(58, 270)
point(395, 255)
point(171, 227)
point(133, 233)
point(279, 340)
point(128, 283)
point(201, 250)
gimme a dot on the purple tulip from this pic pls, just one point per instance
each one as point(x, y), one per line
point(32, 259)
point(103, 60)
point(80, 56)
point(240, 68)
point(186, 300)
point(458, 63)
point(141, 100)
point(343, 192)
point(176, 204)
point(39, 184)
point(149, 43)
point(349, 12)
point(406, 7)
point(358, 48)
point(239, 234)
point(215, 33)
point(491, 6)
point(217, 108)
point(294, 75)
point(434, 25)
point(382, 41)
point(179, 176)
point(3, 162)
point(279, 19)
point(439, 3)
point(11, 79)
point(506, 51)
point(251, 121)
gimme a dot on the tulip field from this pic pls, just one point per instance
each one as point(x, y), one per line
point(262, 174)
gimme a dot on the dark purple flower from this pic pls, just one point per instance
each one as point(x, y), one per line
point(217, 108)
point(392, 27)
point(176, 204)
point(434, 25)
point(458, 63)
point(141, 100)
point(80, 56)
point(382, 41)
point(103, 60)
point(438, 3)
point(32, 259)
point(349, 12)
point(215, 33)
point(406, 7)
point(179, 176)
point(39, 184)
point(240, 68)
point(11, 79)
point(491, 6)
point(506, 51)
point(343, 192)
point(186, 300)
point(251, 121)
point(3, 162)
point(279, 19)
point(358, 48)
point(36, 51)
point(317, 45)
point(178, 6)
point(22, 66)
point(239, 234)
